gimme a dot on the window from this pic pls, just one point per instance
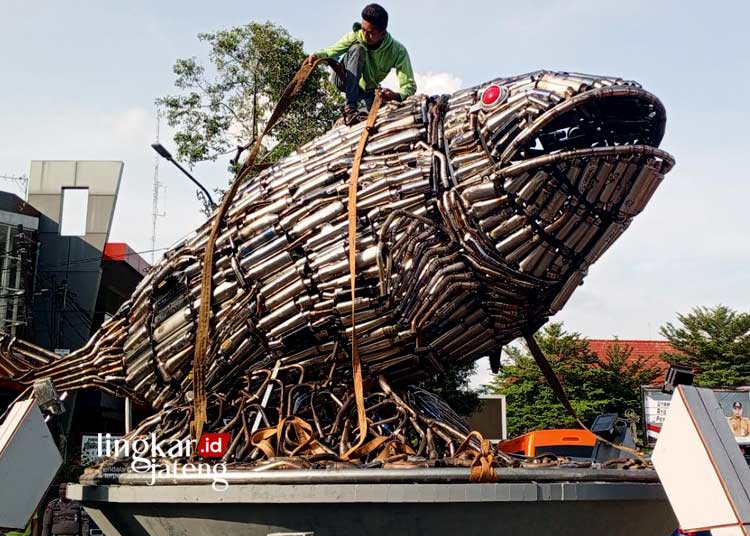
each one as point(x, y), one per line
point(75, 208)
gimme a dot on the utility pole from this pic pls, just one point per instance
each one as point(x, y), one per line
point(155, 214)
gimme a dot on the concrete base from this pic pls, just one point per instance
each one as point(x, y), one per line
point(436, 508)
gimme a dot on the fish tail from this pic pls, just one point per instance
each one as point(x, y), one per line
point(22, 361)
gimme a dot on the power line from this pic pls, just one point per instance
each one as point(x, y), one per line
point(91, 259)
point(74, 328)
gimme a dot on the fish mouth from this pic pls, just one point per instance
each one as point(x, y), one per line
point(613, 119)
point(600, 145)
point(566, 180)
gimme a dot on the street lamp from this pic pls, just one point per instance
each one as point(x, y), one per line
point(162, 151)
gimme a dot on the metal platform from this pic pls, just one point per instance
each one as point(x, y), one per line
point(383, 501)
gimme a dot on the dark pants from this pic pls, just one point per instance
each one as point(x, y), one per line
point(353, 61)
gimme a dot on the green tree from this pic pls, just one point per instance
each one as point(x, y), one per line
point(224, 105)
point(594, 384)
point(715, 343)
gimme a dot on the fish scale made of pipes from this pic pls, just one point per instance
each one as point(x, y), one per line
point(478, 213)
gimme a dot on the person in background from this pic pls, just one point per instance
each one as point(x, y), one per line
point(64, 517)
point(367, 54)
point(740, 425)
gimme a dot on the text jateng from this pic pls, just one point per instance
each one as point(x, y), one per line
point(165, 456)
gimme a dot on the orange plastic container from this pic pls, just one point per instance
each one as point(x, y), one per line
point(566, 442)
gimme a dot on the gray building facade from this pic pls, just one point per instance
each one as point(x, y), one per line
point(76, 200)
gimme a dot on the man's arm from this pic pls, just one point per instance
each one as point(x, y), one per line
point(47, 524)
point(338, 48)
point(85, 522)
point(407, 85)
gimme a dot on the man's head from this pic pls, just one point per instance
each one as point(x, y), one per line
point(374, 23)
point(63, 490)
point(737, 409)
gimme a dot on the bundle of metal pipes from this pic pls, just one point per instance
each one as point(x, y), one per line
point(280, 420)
point(478, 214)
point(281, 416)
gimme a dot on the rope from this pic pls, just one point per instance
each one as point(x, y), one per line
point(356, 361)
point(204, 312)
point(559, 390)
point(482, 464)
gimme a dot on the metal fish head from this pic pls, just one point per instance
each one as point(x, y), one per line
point(550, 168)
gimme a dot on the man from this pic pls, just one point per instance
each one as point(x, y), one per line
point(740, 425)
point(367, 54)
point(65, 517)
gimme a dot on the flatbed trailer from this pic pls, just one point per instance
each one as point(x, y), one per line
point(434, 501)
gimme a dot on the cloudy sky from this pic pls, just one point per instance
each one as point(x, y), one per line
point(79, 78)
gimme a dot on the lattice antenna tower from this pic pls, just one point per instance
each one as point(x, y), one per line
point(155, 214)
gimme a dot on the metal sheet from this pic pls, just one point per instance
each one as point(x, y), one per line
point(704, 473)
point(29, 460)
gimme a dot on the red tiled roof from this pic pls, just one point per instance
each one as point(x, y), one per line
point(649, 351)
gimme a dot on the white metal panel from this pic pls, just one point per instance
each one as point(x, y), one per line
point(700, 464)
point(35, 176)
point(49, 176)
point(101, 208)
point(47, 204)
point(29, 460)
point(102, 177)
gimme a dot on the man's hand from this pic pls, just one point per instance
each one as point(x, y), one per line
point(310, 59)
point(390, 95)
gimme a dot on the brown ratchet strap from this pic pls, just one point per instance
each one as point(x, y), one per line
point(204, 311)
point(356, 361)
point(277, 440)
point(482, 465)
point(554, 382)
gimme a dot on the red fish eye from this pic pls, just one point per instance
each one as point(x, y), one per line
point(491, 94)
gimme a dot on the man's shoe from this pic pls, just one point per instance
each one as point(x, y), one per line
point(351, 116)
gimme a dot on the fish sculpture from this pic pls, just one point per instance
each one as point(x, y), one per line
point(479, 214)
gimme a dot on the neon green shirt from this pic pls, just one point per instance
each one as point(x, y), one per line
point(378, 62)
